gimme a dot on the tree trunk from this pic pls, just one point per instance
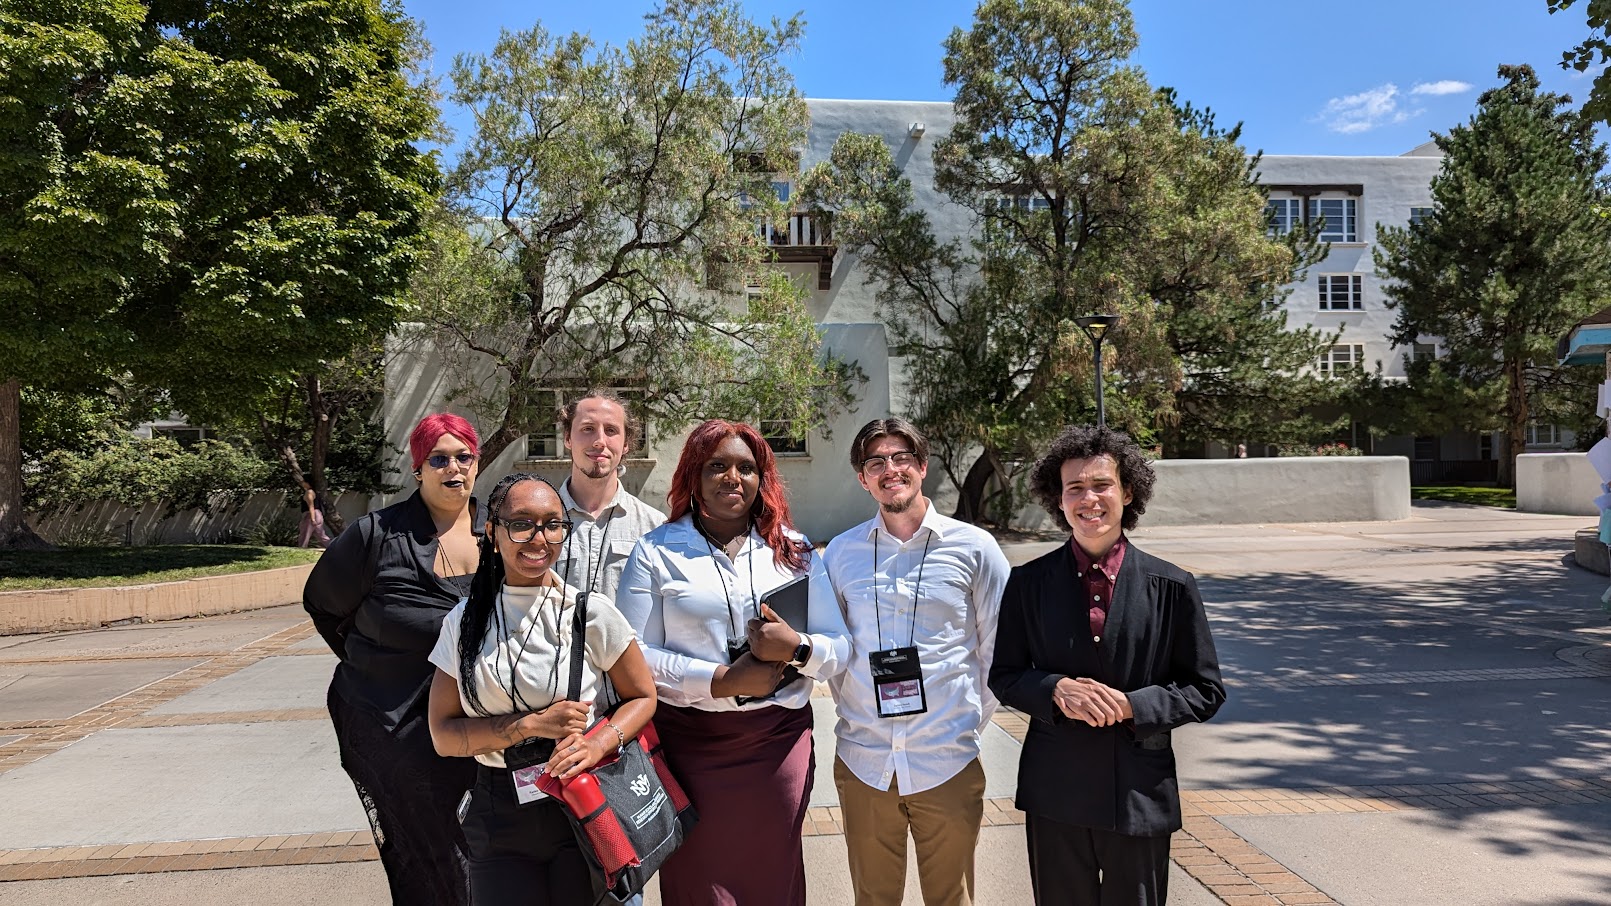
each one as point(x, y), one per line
point(1516, 427)
point(14, 531)
point(322, 414)
point(976, 487)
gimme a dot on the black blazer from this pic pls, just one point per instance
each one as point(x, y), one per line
point(1156, 648)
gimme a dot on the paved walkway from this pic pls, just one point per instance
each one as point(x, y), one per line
point(1417, 716)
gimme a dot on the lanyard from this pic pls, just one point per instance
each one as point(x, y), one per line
point(595, 565)
point(732, 620)
point(917, 591)
point(504, 633)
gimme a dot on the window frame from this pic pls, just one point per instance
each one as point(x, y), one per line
point(1329, 366)
point(1345, 233)
point(1354, 295)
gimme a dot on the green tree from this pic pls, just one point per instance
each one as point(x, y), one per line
point(1512, 256)
point(1595, 50)
point(1090, 193)
point(298, 254)
point(613, 197)
point(214, 198)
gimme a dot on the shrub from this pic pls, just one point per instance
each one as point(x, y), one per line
point(135, 471)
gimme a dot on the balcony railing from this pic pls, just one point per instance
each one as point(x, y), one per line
point(797, 230)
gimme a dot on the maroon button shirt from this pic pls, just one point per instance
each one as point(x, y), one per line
point(1098, 578)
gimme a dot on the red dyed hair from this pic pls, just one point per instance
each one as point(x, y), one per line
point(771, 510)
point(430, 430)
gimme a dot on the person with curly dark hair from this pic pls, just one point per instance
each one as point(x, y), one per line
point(1103, 682)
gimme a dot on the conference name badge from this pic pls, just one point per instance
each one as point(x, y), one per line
point(898, 682)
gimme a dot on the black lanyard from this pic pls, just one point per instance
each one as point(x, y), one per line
point(917, 590)
point(504, 634)
point(732, 619)
point(595, 569)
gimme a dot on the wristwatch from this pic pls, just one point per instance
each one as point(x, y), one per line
point(802, 652)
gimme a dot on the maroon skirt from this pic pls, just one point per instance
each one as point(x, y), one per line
point(749, 775)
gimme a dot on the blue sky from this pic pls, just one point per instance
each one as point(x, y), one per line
point(1358, 77)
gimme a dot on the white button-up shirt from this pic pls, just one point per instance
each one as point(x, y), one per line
point(685, 598)
point(963, 574)
point(597, 550)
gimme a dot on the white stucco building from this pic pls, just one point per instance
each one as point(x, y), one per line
point(1354, 194)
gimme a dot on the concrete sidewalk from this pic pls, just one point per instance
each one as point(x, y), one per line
point(1417, 716)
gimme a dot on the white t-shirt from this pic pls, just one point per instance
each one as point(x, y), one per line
point(529, 651)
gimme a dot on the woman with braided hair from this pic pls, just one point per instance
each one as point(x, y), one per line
point(499, 694)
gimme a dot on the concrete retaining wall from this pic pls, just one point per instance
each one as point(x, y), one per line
point(56, 609)
point(1560, 483)
point(150, 523)
point(1284, 489)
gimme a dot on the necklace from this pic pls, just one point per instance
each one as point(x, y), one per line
point(710, 544)
point(506, 636)
point(443, 564)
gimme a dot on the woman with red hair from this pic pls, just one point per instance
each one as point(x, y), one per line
point(378, 596)
point(740, 744)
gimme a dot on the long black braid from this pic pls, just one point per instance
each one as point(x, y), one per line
point(484, 589)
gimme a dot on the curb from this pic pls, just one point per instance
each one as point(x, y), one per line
point(58, 609)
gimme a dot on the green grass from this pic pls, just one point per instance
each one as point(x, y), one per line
point(1499, 497)
point(92, 567)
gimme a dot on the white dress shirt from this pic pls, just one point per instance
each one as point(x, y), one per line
point(685, 598)
point(596, 551)
point(950, 619)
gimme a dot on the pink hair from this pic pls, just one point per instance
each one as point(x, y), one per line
point(430, 430)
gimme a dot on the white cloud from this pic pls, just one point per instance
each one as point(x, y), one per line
point(1446, 86)
point(1364, 111)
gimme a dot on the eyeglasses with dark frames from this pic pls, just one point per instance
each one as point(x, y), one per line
point(521, 531)
point(441, 460)
point(875, 465)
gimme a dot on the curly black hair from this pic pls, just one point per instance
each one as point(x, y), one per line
point(1085, 442)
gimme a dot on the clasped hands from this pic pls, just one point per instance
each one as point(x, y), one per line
point(565, 721)
point(758, 671)
point(1083, 698)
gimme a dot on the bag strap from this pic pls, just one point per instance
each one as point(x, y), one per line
point(578, 644)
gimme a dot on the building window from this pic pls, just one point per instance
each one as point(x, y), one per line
point(549, 443)
point(1426, 448)
point(1543, 435)
point(1341, 292)
point(1342, 357)
point(184, 435)
point(1423, 352)
point(1283, 215)
point(776, 433)
point(1340, 215)
point(1420, 215)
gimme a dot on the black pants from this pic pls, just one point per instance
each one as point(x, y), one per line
point(522, 853)
point(1081, 866)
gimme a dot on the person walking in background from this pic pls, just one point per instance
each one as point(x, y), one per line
point(740, 746)
point(1107, 649)
point(500, 694)
point(312, 518)
point(920, 592)
point(378, 596)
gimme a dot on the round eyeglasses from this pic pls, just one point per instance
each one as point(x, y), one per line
point(521, 531)
point(875, 465)
point(441, 460)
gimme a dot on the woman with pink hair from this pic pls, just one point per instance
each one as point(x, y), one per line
point(739, 742)
point(378, 597)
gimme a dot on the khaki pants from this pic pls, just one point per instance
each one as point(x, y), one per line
point(944, 824)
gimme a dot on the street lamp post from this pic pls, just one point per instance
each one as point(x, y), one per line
point(1096, 327)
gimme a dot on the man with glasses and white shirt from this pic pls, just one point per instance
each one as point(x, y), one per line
point(920, 592)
